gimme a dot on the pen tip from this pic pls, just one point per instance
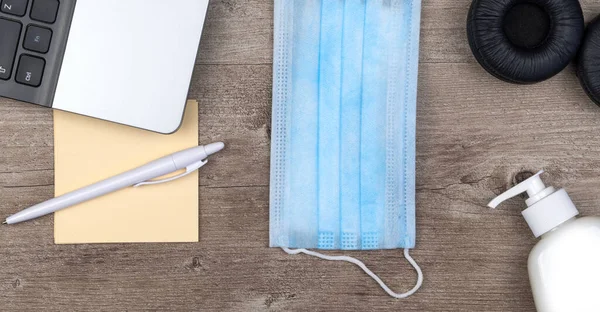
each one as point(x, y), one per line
point(213, 148)
point(4, 222)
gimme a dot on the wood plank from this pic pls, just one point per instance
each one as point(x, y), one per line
point(237, 32)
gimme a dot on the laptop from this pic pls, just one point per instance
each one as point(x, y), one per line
point(125, 61)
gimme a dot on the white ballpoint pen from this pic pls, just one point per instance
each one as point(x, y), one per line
point(190, 159)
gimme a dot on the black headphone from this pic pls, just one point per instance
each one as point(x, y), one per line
point(528, 41)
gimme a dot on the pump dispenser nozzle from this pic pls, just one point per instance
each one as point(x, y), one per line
point(534, 187)
point(548, 208)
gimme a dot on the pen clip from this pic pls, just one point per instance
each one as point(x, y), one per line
point(189, 169)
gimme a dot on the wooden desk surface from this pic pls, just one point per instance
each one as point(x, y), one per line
point(475, 136)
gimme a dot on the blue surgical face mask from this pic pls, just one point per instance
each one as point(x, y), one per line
point(343, 132)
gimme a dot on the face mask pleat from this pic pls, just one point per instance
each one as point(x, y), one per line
point(330, 77)
point(301, 197)
point(374, 124)
point(351, 106)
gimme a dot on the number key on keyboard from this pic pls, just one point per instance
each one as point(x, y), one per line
point(44, 10)
point(30, 70)
point(14, 7)
point(9, 40)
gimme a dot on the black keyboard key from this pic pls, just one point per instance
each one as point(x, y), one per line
point(44, 10)
point(37, 39)
point(14, 7)
point(30, 70)
point(9, 40)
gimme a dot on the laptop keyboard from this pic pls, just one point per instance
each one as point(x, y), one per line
point(33, 35)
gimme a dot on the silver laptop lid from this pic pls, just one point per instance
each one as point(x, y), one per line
point(131, 61)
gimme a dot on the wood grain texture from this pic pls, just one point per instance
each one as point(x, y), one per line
point(475, 136)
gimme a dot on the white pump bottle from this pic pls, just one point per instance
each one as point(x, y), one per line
point(564, 266)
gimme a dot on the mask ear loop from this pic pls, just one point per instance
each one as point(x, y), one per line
point(364, 268)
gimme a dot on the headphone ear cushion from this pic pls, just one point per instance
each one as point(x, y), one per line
point(588, 61)
point(524, 41)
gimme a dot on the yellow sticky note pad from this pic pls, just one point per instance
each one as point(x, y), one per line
point(88, 150)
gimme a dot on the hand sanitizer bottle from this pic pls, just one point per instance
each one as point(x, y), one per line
point(564, 266)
